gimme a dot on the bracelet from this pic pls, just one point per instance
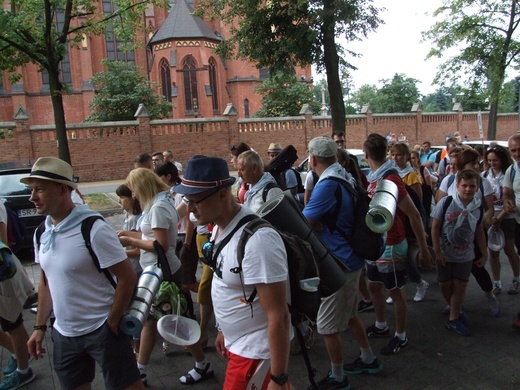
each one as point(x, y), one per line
point(40, 327)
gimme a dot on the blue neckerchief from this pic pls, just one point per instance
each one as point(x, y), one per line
point(336, 170)
point(77, 215)
point(266, 178)
point(378, 174)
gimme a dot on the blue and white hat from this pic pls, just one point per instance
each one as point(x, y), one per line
point(204, 173)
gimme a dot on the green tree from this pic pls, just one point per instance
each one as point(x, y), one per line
point(283, 95)
point(483, 32)
point(398, 94)
point(366, 94)
point(119, 90)
point(508, 101)
point(440, 100)
point(43, 31)
point(284, 34)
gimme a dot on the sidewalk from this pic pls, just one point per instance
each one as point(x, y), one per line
point(435, 359)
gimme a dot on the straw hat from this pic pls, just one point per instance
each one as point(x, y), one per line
point(52, 169)
point(274, 148)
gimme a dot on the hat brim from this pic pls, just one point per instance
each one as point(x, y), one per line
point(187, 190)
point(71, 184)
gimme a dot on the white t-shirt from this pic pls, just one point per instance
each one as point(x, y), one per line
point(309, 181)
point(81, 296)
point(3, 214)
point(130, 223)
point(243, 335)
point(162, 215)
point(515, 186)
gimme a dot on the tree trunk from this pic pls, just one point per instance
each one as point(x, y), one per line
point(56, 89)
point(492, 125)
point(331, 61)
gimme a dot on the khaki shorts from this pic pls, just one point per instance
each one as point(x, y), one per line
point(336, 310)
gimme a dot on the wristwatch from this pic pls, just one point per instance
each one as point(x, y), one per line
point(280, 379)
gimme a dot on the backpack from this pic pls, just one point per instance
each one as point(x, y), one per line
point(418, 205)
point(15, 231)
point(364, 242)
point(427, 193)
point(86, 228)
point(302, 268)
point(281, 164)
point(268, 187)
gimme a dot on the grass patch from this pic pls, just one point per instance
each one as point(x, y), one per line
point(99, 202)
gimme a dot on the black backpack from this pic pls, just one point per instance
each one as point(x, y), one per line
point(15, 231)
point(268, 187)
point(281, 164)
point(365, 243)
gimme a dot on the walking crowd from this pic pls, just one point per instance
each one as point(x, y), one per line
point(456, 209)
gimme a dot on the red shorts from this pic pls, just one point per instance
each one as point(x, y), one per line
point(244, 373)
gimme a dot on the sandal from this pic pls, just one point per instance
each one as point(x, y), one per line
point(204, 374)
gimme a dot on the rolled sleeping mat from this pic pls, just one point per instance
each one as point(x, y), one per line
point(284, 213)
point(147, 286)
point(382, 208)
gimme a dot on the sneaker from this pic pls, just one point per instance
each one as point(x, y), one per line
point(494, 306)
point(458, 327)
point(463, 318)
point(497, 288)
point(365, 306)
point(395, 346)
point(17, 380)
point(374, 331)
point(10, 367)
point(515, 288)
point(330, 383)
point(295, 343)
point(390, 301)
point(144, 379)
point(358, 367)
point(421, 291)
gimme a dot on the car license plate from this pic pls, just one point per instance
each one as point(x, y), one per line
point(26, 213)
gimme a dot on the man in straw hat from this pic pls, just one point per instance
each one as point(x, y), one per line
point(86, 305)
point(254, 332)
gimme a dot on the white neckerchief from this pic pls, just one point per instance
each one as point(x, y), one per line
point(378, 174)
point(405, 171)
point(467, 212)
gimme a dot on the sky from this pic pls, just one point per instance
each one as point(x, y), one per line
point(395, 47)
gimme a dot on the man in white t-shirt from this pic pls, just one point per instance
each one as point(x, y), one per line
point(87, 307)
point(254, 330)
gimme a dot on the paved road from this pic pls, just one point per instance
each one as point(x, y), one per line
point(436, 358)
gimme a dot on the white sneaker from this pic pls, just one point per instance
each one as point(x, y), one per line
point(421, 291)
point(390, 301)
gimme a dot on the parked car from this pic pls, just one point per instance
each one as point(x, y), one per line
point(485, 142)
point(15, 195)
point(303, 168)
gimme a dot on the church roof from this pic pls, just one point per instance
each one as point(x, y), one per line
point(181, 24)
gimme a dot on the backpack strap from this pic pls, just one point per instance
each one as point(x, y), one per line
point(86, 228)
point(512, 174)
point(268, 187)
point(445, 206)
point(226, 239)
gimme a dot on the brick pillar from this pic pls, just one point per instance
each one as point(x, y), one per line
point(418, 123)
point(144, 129)
point(233, 131)
point(367, 110)
point(308, 131)
point(22, 134)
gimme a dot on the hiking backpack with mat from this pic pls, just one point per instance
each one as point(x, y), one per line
point(364, 242)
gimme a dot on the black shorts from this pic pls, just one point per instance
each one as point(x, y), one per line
point(8, 326)
point(75, 357)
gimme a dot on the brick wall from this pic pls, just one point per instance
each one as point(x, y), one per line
point(106, 151)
